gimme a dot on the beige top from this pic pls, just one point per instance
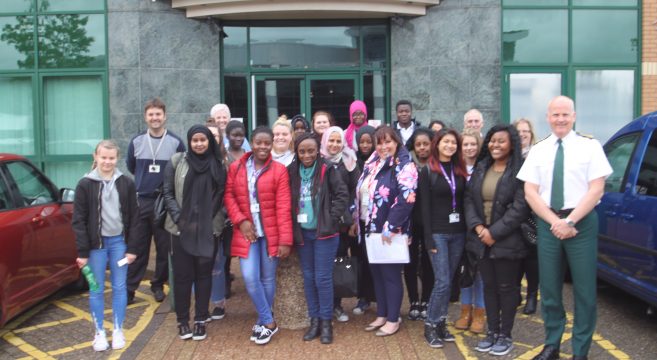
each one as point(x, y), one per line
point(488, 188)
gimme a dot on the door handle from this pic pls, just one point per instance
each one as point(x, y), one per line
point(611, 213)
point(37, 219)
point(627, 216)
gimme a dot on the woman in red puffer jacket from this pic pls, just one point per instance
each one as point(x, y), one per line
point(259, 206)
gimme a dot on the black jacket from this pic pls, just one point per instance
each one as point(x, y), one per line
point(333, 200)
point(87, 219)
point(351, 180)
point(509, 210)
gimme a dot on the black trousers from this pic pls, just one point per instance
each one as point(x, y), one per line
point(366, 283)
point(501, 292)
point(191, 270)
point(145, 231)
point(529, 268)
point(419, 265)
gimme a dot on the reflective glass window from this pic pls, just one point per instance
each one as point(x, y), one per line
point(646, 183)
point(9, 6)
point(73, 114)
point(67, 174)
point(235, 47)
point(605, 2)
point(275, 97)
point(605, 36)
point(618, 154)
point(536, 2)
point(304, 47)
point(529, 97)
point(374, 45)
point(374, 94)
point(16, 116)
point(33, 188)
point(16, 42)
point(71, 5)
point(605, 101)
point(535, 36)
point(236, 95)
point(72, 41)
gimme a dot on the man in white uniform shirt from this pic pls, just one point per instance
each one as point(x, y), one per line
point(564, 177)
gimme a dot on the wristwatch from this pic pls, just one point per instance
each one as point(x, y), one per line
point(570, 222)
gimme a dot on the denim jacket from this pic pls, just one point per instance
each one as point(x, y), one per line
point(391, 195)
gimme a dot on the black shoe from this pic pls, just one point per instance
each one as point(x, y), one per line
point(131, 297)
point(265, 335)
point(443, 333)
point(580, 357)
point(184, 332)
point(530, 305)
point(549, 352)
point(313, 330)
point(414, 311)
point(218, 313)
point(431, 337)
point(199, 331)
point(326, 331)
point(158, 294)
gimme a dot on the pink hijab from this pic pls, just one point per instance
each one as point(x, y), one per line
point(351, 130)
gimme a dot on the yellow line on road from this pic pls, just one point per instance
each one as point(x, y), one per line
point(25, 347)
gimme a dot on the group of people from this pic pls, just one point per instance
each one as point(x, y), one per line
point(321, 191)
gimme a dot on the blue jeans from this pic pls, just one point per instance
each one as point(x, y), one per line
point(474, 294)
point(444, 263)
point(113, 250)
point(259, 273)
point(317, 258)
point(219, 276)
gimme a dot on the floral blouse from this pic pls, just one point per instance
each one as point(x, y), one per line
point(391, 193)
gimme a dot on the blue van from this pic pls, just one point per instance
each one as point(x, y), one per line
point(627, 256)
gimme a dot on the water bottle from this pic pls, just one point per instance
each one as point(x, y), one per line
point(86, 271)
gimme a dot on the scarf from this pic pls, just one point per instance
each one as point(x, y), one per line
point(198, 209)
point(346, 155)
point(352, 129)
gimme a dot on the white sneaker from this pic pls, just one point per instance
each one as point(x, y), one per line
point(100, 342)
point(118, 339)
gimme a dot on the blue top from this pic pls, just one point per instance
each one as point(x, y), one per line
point(143, 153)
point(306, 201)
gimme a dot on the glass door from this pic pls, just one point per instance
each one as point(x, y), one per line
point(333, 93)
point(274, 96)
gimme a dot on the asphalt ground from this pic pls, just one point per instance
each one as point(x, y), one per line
point(61, 328)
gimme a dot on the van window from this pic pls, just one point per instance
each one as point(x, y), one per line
point(619, 152)
point(647, 182)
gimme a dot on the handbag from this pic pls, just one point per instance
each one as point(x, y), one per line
point(466, 271)
point(159, 209)
point(528, 230)
point(345, 277)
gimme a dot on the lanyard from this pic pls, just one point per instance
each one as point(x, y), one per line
point(452, 184)
point(150, 144)
point(253, 176)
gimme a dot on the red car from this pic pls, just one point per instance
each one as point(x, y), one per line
point(37, 244)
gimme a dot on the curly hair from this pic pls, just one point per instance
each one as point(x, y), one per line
point(515, 158)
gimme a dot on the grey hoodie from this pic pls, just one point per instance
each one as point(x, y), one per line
point(110, 207)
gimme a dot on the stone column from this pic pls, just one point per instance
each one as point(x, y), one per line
point(290, 310)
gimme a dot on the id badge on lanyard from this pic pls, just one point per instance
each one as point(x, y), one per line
point(454, 216)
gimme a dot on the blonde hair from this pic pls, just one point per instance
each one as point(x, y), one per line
point(106, 144)
point(531, 128)
point(476, 135)
point(283, 121)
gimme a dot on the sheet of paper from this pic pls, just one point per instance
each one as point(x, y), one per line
point(380, 253)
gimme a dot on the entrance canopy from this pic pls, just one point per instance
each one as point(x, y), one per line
point(303, 9)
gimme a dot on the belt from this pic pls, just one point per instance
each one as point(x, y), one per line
point(562, 213)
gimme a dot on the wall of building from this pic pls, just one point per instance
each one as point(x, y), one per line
point(449, 61)
point(155, 51)
point(649, 57)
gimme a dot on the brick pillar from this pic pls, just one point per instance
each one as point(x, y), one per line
point(649, 57)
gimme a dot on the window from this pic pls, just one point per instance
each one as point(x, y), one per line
point(32, 186)
point(588, 50)
point(647, 182)
point(619, 153)
point(53, 83)
point(5, 197)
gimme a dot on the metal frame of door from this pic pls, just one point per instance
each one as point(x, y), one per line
point(305, 102)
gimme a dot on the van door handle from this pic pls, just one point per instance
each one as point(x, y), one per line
point(611, 213)
point(627, 216)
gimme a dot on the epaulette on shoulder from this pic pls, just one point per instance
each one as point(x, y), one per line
point(588, 136)
point(545, 138)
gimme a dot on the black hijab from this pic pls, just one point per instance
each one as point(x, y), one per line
point(206, 175)
point(362, 158)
